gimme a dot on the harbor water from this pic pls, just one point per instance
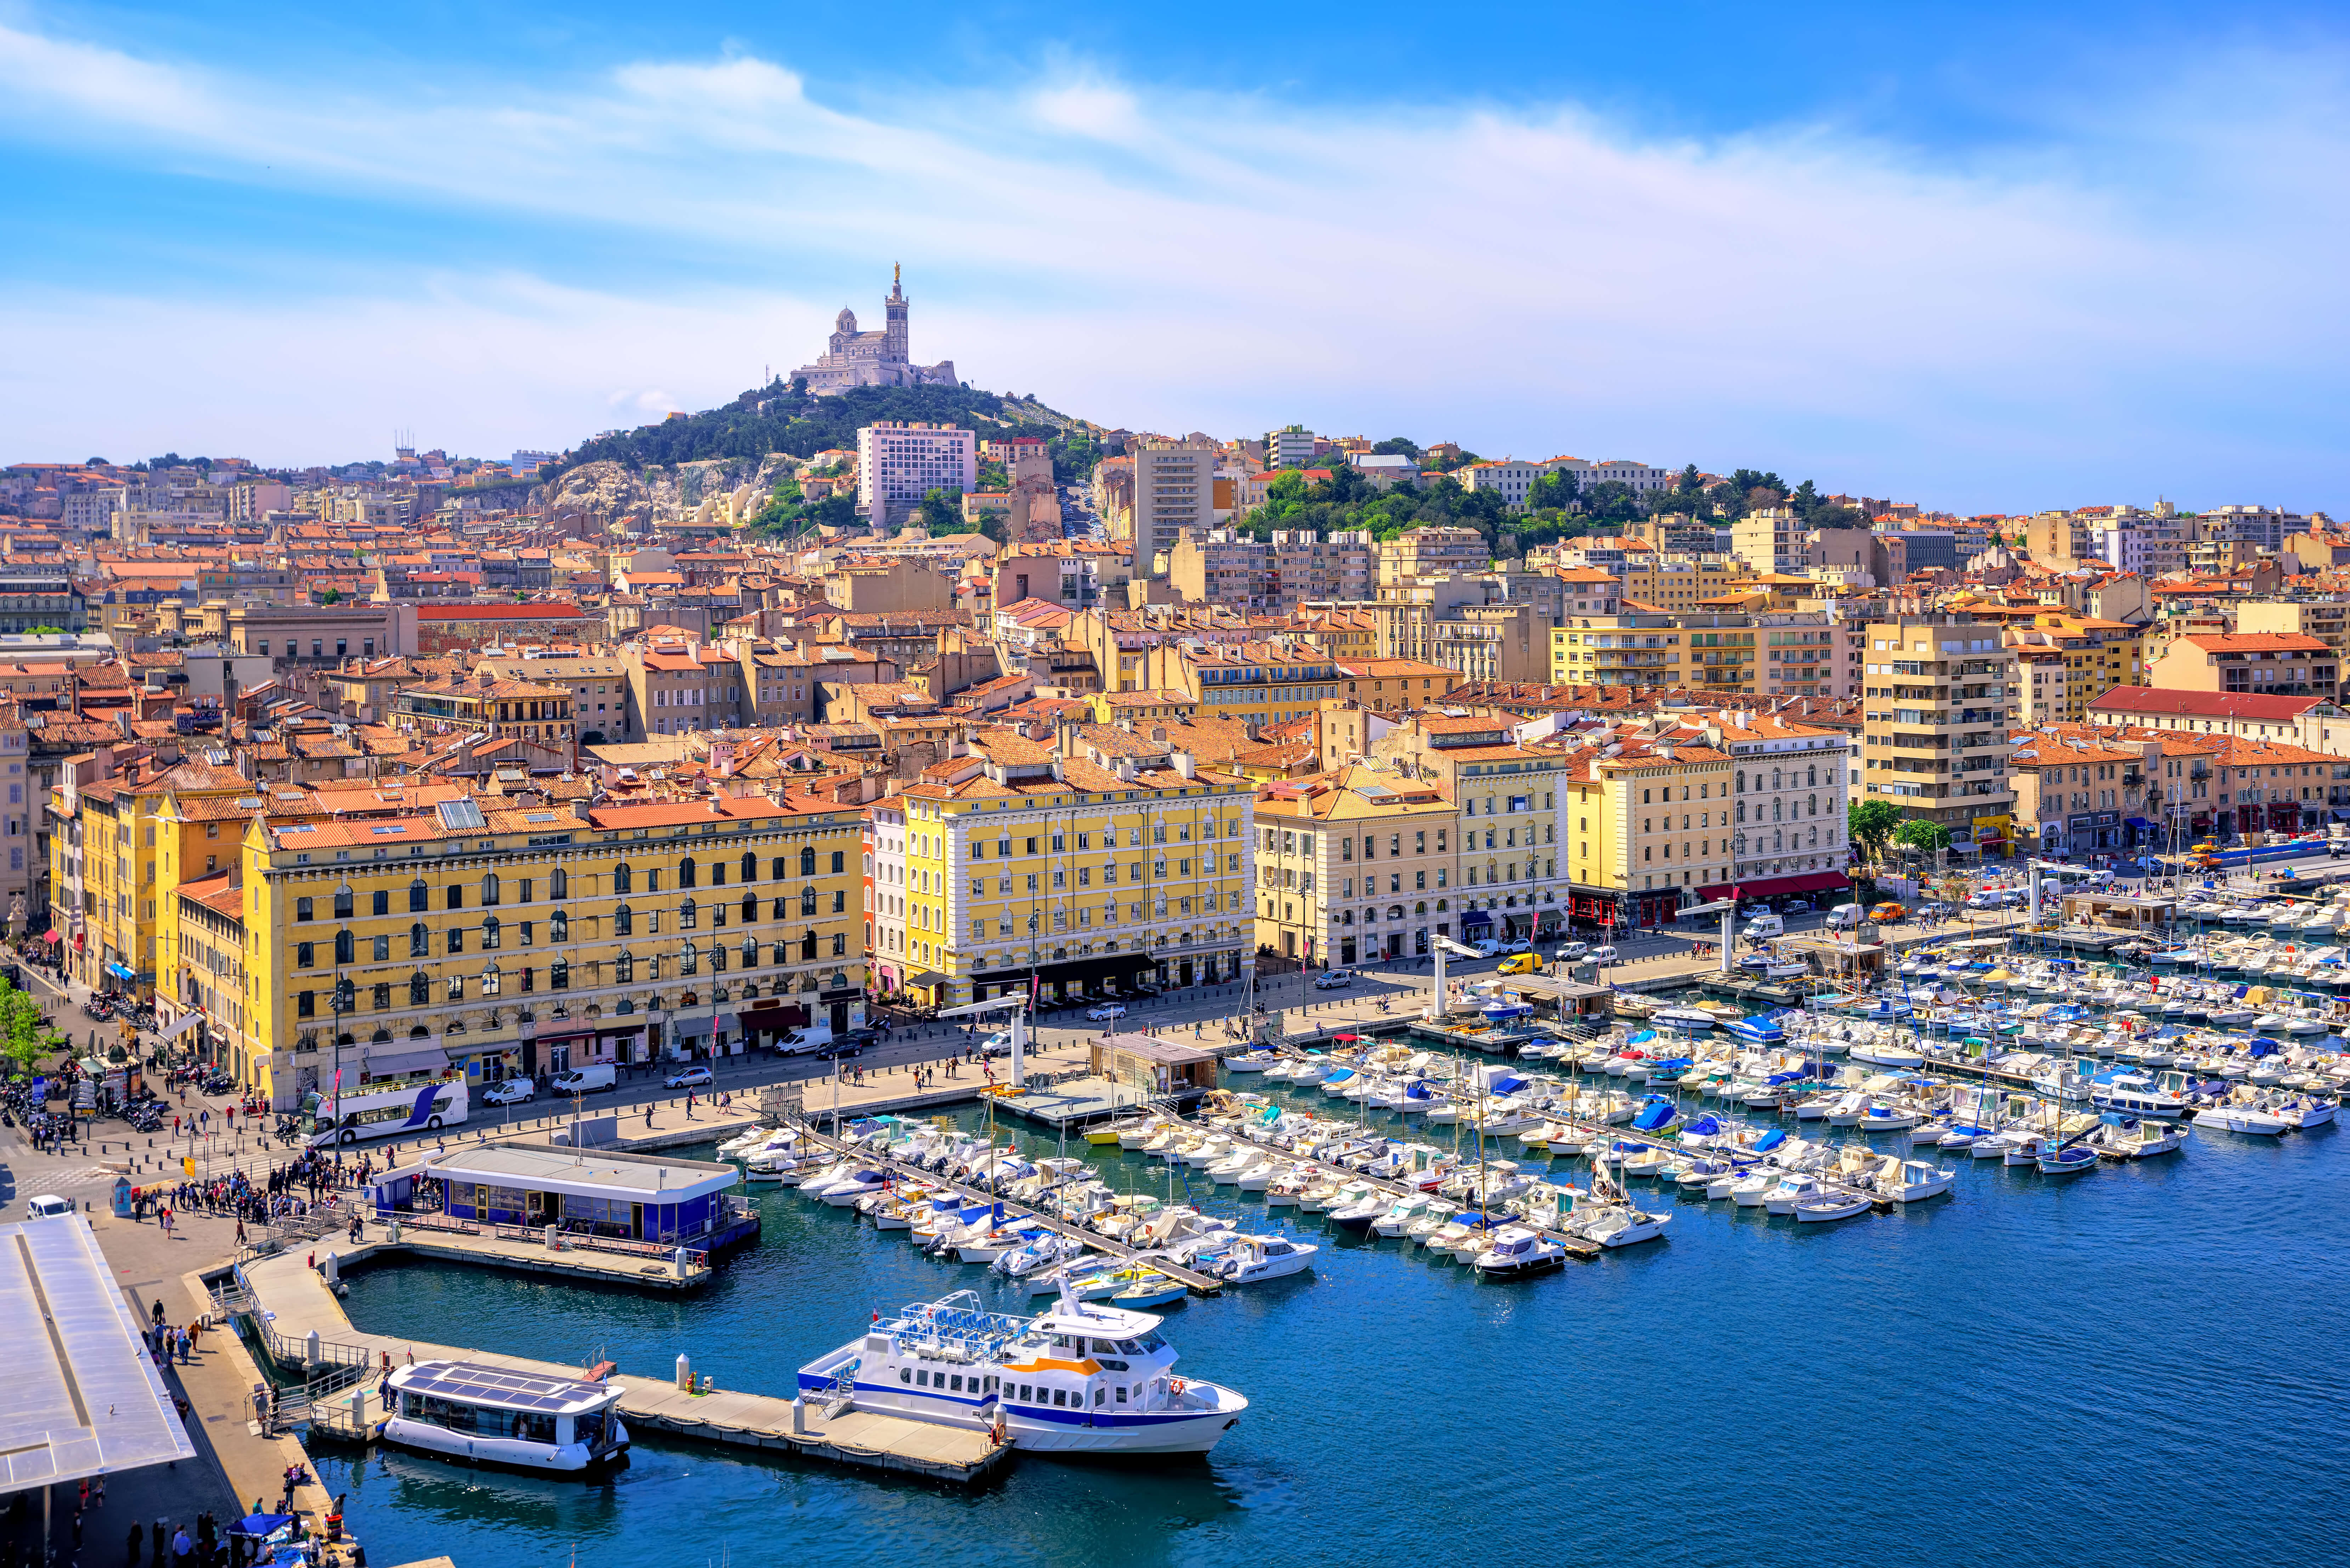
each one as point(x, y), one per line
point(2142, 1363)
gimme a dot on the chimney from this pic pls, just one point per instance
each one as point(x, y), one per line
point(1184, 765)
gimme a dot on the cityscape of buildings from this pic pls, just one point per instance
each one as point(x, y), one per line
point(468, 755)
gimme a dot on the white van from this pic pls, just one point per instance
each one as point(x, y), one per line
point(1843, 917)
point(586, 1080)
point(800, 1042)
point(1759, 927)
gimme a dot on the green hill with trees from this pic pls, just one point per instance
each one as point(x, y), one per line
point(788, 419)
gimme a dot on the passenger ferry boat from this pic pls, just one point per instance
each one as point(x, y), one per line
point(1083, 1378)
point(492, 1414)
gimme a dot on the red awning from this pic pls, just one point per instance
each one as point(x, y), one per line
point(1809, 882)
point(55, 936)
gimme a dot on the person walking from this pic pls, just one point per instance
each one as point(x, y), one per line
point(137, 1541)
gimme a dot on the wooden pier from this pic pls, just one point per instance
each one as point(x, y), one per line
point(1199, 1284)
point(288, 1301)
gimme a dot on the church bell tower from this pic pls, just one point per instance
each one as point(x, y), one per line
point(894, 334)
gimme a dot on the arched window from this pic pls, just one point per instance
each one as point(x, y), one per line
point(717, 959)
point(1776, 815)
point(489, 890)
point(343, 902)
point(456, 988)
point(1741, 811)
point(492, 978)
point(1815, 805)
point(689, 959)
point(419, 940)
point(419, 1032)
point(560, 884)
point(491, 932)
point(807, 900)
point(381, 1038)
point(624, 969)
point(1348, 918)
point(808, 862)
point(1774, 778)
point(1811, 778)
point(839, 861)
point(750, 908)
point(687, 872)
point(1741, 781)
point(688, 916)
point(558, 926)
point(750, 953)
point(624, 921)
point(346, 950)
point(750, 866)
point(807, 946)
point(558, 975)
point(783, 953)
point(346, 995)
point(419, 896)
point(420, 989)
point(621, 879)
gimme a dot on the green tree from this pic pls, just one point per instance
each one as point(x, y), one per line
point(1871, 824)
point(331, 596)
point(1919, 834)
point(940, 512)
point(25, 1036)
point(1555, 490)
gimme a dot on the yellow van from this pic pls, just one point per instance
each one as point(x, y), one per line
point(1519, 963)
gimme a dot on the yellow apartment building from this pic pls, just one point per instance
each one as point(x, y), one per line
point(1030, 870)
point(1648, 828)
point(534, 940)
point(1267, 681)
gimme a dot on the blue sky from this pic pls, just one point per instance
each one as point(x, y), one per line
point(1983, 257)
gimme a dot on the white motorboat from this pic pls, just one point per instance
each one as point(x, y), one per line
point(1831, 1206)
point(954, 1363)
point(1247, 1260)
point(1791, 1189)
point(1616, 1225)
point(2253, 1121)
point(1516, 1252)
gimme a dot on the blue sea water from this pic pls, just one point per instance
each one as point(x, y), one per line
point(2140, 1365)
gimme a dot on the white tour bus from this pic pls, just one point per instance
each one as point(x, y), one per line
point(383, 1110)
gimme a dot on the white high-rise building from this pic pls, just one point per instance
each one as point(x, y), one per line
point(1174, 489)
point(898, 464)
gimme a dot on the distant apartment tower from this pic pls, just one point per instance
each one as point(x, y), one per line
point(1941, 695)
point(526, 463)
point(1291, 448)
point(1770, 539)
point(1512, 480)
point(1174, 489)
point(899, 463)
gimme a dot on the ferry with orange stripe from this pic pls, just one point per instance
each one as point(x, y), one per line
point(1083, 1378)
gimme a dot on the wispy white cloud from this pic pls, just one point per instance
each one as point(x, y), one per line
point(2147, 302)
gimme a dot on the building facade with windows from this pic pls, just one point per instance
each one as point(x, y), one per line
point(1941, 693)
point(1028, 869)
point(899, 461)
point(531, 940)
point(1357, 866)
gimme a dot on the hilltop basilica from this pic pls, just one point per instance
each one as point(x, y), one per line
point(854, 359)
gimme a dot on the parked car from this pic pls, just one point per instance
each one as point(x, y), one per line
point(1486, 947)
point(1603, 954)
point(1843, 917)
point(689, 1078)
point(510, 1092)
point(840, 1050)
point(1332, 979)
point(48, 1207)
point(1106, 1011)
point(1986, 901)
point(1935, 910)
point(1517, 945)
point(1519, 963)
point(997, 1045)
point(1569, 952)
